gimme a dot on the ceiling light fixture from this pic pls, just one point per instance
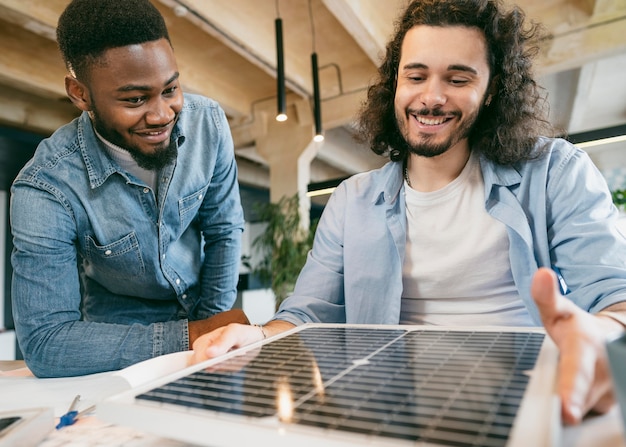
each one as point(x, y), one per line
point(280, 68)
point(317, 110)
point(601, 142)
point(592, 140)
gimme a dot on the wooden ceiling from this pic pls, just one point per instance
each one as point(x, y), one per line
point(226, 50)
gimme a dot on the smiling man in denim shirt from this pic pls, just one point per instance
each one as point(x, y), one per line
point(127, 222)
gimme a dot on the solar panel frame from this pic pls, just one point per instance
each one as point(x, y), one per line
point(530, 416)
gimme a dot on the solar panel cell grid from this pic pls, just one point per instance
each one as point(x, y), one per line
point(450, 388)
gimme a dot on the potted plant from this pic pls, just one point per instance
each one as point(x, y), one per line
point(283, 245)
point(619, 199)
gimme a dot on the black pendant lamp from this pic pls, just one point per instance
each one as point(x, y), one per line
point(317, 109)
point(281, 114)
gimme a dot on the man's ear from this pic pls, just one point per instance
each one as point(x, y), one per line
point(492, 90)
point(78, 93)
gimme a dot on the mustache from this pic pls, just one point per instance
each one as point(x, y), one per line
point(432, 112)
point(161, 126)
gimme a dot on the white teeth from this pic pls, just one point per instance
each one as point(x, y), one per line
point(430, 122)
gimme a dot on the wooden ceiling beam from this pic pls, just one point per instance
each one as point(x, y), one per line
point(30, 62)
point(600, 37)
point(33, 113)
point(367, 23)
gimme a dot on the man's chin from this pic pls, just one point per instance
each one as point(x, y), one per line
point(156, 158)
point(428, 150)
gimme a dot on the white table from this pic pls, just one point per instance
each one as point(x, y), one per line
point(24, 392)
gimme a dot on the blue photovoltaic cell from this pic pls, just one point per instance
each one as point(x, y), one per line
point(449, 388)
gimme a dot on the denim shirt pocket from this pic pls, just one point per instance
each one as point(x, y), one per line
point(119, 259)
point(189, 205)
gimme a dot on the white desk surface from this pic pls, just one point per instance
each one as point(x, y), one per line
point(20, 391)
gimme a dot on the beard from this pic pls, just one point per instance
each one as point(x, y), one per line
point(161, 157)
point(154, 161)
point(426, 146)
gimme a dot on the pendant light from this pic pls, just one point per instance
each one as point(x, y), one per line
point(281, 114)
point(317, 110)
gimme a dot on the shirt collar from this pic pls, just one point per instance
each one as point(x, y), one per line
point(97, 162)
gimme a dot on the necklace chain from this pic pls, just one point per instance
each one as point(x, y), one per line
point(406, 175)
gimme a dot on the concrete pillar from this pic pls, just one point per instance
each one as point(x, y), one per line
point(289, 149)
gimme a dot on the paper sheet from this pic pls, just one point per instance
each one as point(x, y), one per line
point(20, 392)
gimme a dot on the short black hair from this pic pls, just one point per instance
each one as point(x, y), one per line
point(87, 28)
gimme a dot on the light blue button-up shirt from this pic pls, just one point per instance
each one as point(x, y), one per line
point(557, 210)
point(106, 271)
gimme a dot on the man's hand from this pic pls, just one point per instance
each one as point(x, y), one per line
point(584, 381)
point(199, 327)
point(233, 336)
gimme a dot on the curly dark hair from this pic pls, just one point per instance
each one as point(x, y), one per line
point(506, 130)
point(87, 28)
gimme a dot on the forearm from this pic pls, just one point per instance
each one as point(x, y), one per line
point(614, 318)
point(221, 222)
point(219, 276)
point(79, 347)
point(274, 327)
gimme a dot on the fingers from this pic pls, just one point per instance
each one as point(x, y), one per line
point(575, 380)
point(222, 340)
point(582, 379)
point(546, 293)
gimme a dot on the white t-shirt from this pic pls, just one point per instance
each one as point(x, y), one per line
point(127, 162)
point(457, 269)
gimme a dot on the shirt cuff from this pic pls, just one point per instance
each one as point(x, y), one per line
point(170, 336)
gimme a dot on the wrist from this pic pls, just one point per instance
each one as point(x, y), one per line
point(616, 320)
point(262, 330)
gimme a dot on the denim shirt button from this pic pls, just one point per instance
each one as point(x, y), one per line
point(163, 256)
point(177, 281)
point(184, 296)
point(146, 190)
point(107, 252)
point(200, 197)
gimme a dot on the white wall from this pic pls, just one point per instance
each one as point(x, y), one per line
point(250, 233)
point(611, 161)
point(3, 219)
point(7, 338)
point(258, 304)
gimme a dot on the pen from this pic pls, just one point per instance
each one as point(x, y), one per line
point(72, 414)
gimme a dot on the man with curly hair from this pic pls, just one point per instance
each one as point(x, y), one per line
point(478, 218)
point(127, 222)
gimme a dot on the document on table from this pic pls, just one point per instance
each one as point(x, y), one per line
point(21, 392)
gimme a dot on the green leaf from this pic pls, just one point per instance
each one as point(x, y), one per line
point(283, 246)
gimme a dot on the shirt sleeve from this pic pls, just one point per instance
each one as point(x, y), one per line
point(586, 245)
point(222, 222)
point(46, 298)
point(319, 295)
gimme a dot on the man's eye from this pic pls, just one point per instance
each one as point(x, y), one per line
point(169, 91)
point(135, 100)
point(457, 81)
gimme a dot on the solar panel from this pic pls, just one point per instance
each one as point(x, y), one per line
point(360, 384)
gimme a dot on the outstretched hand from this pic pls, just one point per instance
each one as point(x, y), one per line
point(584, 381)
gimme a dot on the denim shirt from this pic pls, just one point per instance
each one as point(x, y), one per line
point(557, 210)
point(106, 271)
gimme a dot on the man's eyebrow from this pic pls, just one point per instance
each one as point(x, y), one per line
point(414, 65)
point(461, 67)
point(453, 67)
point(145, 88)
